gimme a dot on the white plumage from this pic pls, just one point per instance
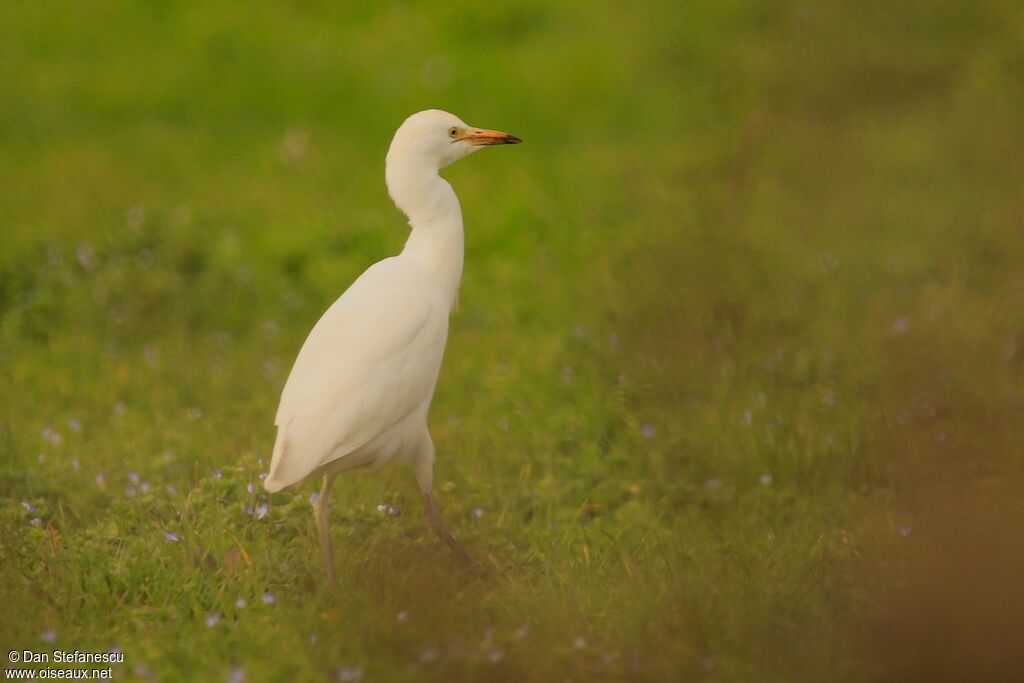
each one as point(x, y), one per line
point(366, 371)
point(360, 389)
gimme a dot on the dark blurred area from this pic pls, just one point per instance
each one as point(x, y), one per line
point(951, 605)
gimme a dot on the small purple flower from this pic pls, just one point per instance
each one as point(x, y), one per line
point(350, 674)
point(129, 491)
point(85, 255)
point(172, 489)
point(35, 521)
point(217, 473)
point(248, 510)
point(240, 603)
point(905, 529)
point(74, 424)
point(268, 598)
point(133, 477)
point(765, 479)
point(75, 465)
point(171, 536)
point(212, 620)
point(49, 635)
point(100, 480)
point(55, 438)
point(647, 431)
point(394, 511)
point(263, 475)
point(237, 675)
point(28, 506)
point(261, 511)
point(899, 326)
point(145, 487)
point(314, 498)
point(249, 487)
point(478, 512)
point(382, 508)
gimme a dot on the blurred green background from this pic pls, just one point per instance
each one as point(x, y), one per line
point(734, 391)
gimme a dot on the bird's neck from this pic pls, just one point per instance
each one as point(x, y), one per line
point(436, 242)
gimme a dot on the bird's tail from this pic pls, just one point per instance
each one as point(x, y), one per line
point(275, 481)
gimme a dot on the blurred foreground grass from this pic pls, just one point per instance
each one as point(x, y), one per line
point(734, 392)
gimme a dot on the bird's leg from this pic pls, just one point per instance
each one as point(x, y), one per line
point(423, 466)
point(439, 528)
point(322, 514)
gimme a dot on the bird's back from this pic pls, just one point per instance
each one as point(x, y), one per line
point(369, 363)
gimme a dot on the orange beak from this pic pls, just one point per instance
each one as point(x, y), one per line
point(481, 136)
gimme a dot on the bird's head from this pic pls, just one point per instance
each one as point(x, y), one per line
point(432, 139)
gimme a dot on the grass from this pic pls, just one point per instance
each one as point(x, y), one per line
point(734, 392)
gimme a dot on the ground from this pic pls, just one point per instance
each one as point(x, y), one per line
point(734, 391)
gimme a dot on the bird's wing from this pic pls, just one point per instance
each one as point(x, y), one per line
point(370, 361)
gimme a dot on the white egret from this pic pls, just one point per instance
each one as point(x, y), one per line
point(361, 386)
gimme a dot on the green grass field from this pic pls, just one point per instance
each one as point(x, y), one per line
point(735, 391)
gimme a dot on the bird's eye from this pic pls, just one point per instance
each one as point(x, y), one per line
point(453, 131)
